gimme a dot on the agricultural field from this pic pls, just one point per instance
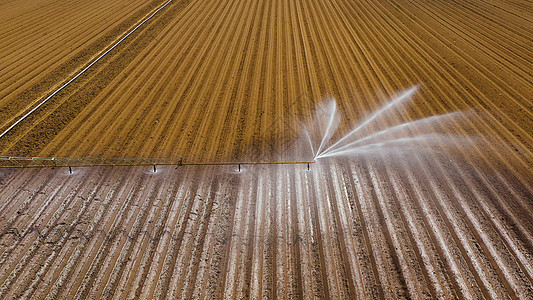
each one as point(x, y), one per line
point(442, 210)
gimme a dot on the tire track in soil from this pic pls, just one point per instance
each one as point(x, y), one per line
point(258, 245)
point(177, 283)
point(240, 256)
point(285, 271)
point(305, 235)
point(224, 228)
point(140, 237)
point(273, 240)
point(210, 225)
point(138, 281)
point(11, 205)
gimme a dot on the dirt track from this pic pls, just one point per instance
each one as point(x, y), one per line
point(224, 81)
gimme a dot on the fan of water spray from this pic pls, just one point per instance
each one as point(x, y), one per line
point(358, 141)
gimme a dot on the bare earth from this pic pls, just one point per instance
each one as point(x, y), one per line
point(224, 81)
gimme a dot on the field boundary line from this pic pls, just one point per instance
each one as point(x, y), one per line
point(83, 71)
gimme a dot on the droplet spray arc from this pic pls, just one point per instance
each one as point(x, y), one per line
point(326, 121)
point(402, 97)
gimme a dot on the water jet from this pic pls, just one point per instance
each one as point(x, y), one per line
point(357, 142)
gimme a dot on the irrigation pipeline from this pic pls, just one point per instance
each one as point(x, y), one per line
point(83, 71)
point(55, 162)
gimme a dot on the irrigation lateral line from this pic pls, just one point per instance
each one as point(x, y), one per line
point(54, 162)
point(83, 71)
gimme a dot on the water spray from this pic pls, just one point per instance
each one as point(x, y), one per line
point(327, 120)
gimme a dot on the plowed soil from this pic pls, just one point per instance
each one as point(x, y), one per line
point(219, 81)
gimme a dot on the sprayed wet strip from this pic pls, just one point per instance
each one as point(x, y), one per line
point(126, 223)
